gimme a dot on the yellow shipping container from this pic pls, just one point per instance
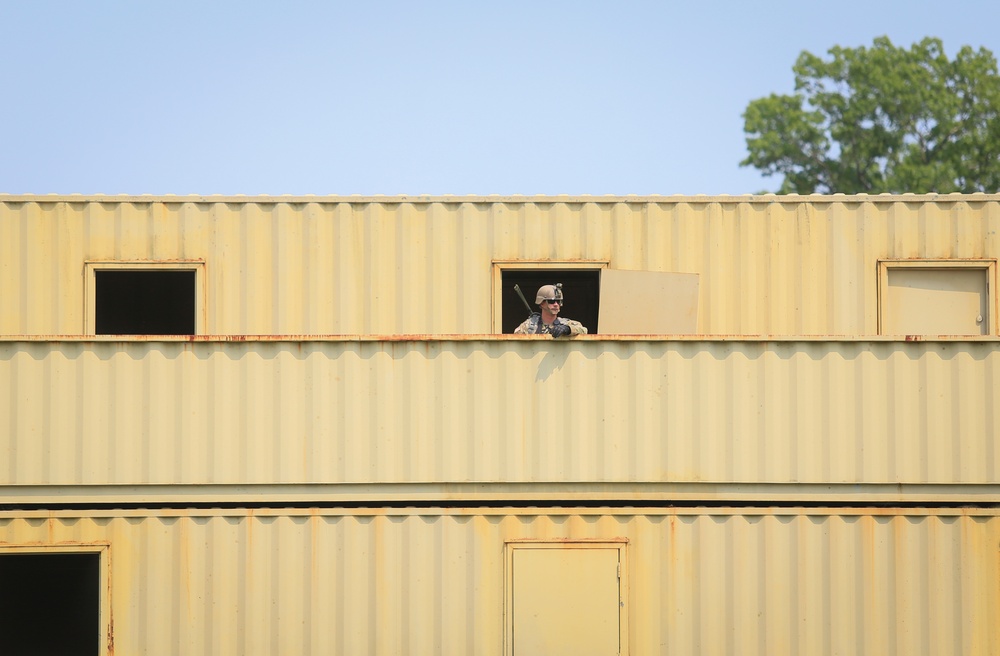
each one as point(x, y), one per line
point(445, 581)
point(765, 265)
point(567, 417)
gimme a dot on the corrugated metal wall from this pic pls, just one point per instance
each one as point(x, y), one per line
point(772, 265)
point(700, 581)
point(500, 411)
point(388, 422)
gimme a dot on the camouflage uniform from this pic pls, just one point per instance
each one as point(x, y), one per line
point(533, 325)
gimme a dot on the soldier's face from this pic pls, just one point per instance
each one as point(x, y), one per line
point(551, 307)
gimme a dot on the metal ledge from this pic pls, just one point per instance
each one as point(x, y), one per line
point(499, 494)
point(483, 337)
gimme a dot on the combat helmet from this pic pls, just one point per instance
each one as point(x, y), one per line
point(549, 291)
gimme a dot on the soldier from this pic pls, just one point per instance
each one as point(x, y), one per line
point(550, 299)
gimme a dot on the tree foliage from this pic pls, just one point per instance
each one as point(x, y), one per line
point(882, 119)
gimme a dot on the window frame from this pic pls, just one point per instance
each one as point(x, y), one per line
point(91, 267)
point(989, 266)
point(499, 266)
point(103, 550)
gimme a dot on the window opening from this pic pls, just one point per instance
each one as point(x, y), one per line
point(581, 288)
point(607, 301)
point(145, 301)
point(50, 603)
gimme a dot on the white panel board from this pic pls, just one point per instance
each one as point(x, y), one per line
point(648, 303)
point(936, 301)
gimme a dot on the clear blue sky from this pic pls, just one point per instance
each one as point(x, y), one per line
point(474, 97)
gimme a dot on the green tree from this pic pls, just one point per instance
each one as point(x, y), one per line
point(882, 119)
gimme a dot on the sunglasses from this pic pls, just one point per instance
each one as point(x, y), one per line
point(553, 301)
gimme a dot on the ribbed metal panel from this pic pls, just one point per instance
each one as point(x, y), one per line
point(498, 410)
point(771, 265)
point(699, 581)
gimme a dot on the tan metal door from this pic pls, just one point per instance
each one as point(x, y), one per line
point(566, 602)
point(935, 301)
point(648, 303)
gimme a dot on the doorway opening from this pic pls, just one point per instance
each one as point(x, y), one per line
point(50, 603)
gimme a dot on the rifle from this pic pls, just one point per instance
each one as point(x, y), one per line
point(524, 300)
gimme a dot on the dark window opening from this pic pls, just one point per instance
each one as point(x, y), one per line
point(581, 289)
point(50, 604)
point(145, 302)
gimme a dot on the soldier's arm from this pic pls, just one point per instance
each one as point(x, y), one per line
point(575, 327)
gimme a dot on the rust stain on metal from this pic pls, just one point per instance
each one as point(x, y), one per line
point(111, 606)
